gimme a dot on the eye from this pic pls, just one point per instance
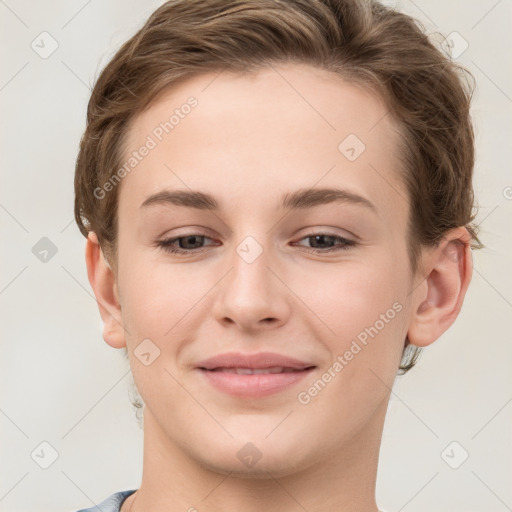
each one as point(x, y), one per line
point(321, 239)
point(185, 244)
point(193, 243)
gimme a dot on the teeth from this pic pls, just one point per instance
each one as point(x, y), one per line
point(243, 371)
point(255, 371)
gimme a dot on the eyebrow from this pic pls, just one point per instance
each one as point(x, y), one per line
point(298, 200)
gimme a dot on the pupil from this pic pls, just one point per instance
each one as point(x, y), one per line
point(320, 239)
point(195, 240)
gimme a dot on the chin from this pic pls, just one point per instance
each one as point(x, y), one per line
point(266, 468)
point(253, 455)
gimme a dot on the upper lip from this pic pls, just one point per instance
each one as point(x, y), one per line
point(252, 361)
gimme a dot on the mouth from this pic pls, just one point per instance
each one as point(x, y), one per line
point(255, 371)
point(255, 375)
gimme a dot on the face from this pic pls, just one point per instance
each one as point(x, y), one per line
point(269, 262)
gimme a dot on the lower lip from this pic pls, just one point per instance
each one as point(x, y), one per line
point(254, 386)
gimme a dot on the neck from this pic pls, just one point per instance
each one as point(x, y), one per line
point(343, 481)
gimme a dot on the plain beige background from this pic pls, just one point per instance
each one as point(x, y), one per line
point(62, 385)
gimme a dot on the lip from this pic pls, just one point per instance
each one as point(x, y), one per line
point(253, 361)
point(253, 385)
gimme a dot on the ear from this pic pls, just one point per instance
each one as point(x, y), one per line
point(105, 289)
point(438, 299)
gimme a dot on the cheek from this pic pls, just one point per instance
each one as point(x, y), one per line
point(353, 296)
point(155, 294)
point(159, 302)
point(366, 312)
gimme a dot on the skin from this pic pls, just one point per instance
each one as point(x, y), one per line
point(251, 139)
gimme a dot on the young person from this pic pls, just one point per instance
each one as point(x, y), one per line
point(277, 199)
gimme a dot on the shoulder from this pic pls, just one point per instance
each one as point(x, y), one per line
point(111, 504)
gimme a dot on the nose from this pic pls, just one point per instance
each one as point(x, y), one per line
point(252, 296)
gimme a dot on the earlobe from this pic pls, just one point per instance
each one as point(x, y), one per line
point(106, 291)
point(438, 300)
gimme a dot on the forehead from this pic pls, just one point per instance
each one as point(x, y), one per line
point(244, 137)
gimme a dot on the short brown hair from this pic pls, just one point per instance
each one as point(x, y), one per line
point(363, 41)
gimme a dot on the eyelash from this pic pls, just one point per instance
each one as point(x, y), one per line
point(167, 247)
